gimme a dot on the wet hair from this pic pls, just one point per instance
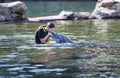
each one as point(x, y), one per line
point(50, 25)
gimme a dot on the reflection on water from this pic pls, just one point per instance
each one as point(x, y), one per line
point(19, 58)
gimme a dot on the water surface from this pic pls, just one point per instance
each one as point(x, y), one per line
point(45, 8)
point(19, 58)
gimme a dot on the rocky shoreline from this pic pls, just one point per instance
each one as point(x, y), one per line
point(16, 11)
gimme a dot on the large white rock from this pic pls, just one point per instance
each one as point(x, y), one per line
point(12, 11)
point(107, 9)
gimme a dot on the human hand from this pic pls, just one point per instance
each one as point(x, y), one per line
point(50, 34)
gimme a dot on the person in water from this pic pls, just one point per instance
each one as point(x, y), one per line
point(43, 33)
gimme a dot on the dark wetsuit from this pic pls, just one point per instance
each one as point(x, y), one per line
point(39, 34)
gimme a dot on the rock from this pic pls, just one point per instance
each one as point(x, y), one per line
point(46, 18)
point(66, 14)
point(12, 11)
point(81, 15)
point(75, 15)
point(2, 18)
point(107, 9)
point(4, 13)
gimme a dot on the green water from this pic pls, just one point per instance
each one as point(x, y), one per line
point(19, 58)
point(45, 8)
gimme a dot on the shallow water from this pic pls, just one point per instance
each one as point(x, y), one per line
point(19, 58)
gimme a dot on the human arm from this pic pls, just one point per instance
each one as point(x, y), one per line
point(46, 38)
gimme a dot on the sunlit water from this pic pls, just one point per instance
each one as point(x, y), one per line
point(19, 58)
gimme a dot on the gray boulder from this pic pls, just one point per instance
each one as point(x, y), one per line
point(12, 11)
point(107, 9)
point(75, 15)
point(81, 15)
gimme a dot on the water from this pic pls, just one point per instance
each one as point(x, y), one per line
point(19, 58)
point(45, 8)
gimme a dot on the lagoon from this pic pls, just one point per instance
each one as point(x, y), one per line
point(19, 58)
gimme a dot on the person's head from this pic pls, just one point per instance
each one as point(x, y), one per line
point(50, 27)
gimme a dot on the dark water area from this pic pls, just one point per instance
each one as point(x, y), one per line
point(48, 8)
point(20, 58)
